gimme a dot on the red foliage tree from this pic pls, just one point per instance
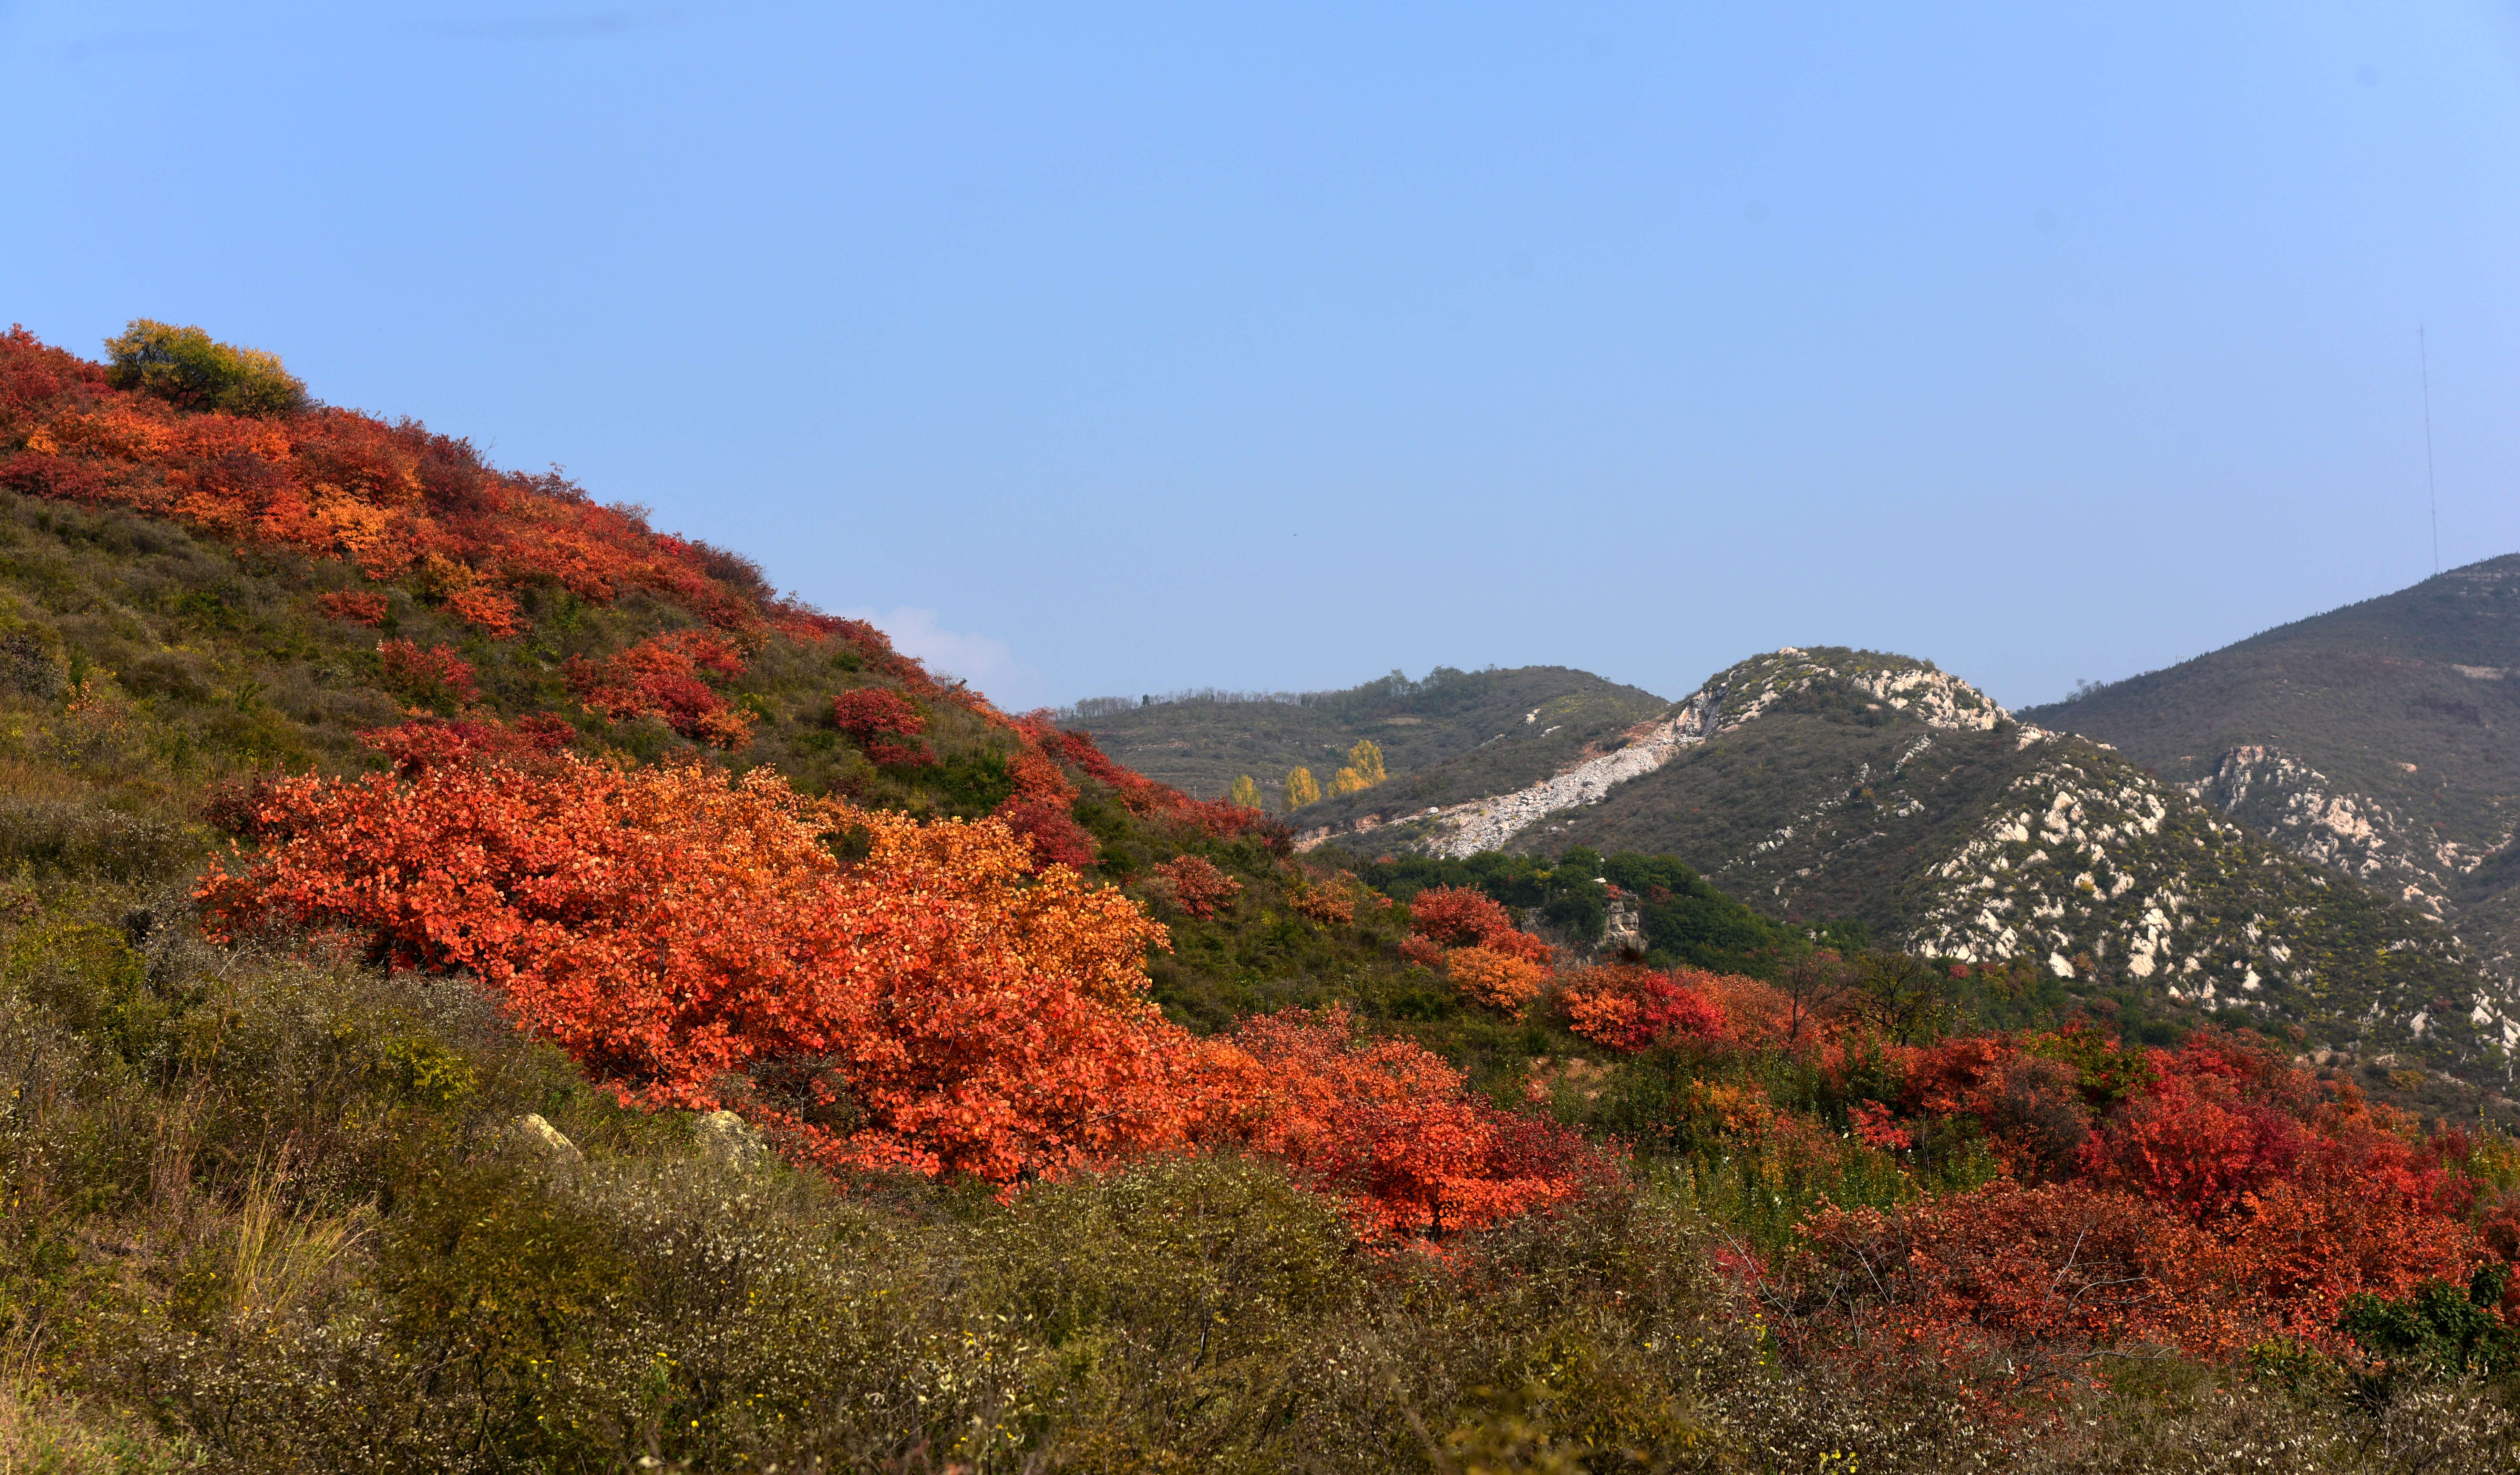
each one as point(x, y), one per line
point(1198, 886)
point(1501, 980)
point(1138, 794)
point(1629, 1008)
point(943, 1004)
point(401, 504)
point(2028, 1280)
point(353, 607)
point(1463, 917)
point(885, 724)
point(2219, 1202)
point(662, 677)
point(427, 675)
point(692, 942)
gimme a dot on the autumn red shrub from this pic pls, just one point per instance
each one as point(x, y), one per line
point(1875, 1127)
point(885, 723)
point(1502, 980)
point(1457, 917)
point(1049, 829)
point(1332, 902)
point(2029, 1280)
point(440, 672)
point(2220, 1202)
point(1463, 917)
point(392, 499)
point(1198, 886)
point(2031, 1107)
point(417, 746)
point(2194, 1145)
point(1630, 1007)
point(660, 677)
point(1387, 1128)
point(354, 608)
point(944, 1004)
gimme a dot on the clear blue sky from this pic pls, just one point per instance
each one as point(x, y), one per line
point(1120, 350)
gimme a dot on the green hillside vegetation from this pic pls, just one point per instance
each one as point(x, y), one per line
point(275, 1207)
point(1201, 742)
point(282, 1212)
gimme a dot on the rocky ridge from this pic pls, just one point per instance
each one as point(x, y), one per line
point(1878, 787)
point(2096, 869)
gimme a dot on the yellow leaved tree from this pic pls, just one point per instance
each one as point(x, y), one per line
point(1364, 768)
point(1244, 794)
point(1301, 787)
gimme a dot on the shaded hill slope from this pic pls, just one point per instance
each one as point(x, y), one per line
point(1525, 722)
point(2382, 738)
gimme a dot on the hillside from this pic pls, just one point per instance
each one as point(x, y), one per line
point(2382, 738)
point(487, 985)
point(1526, 723)
point(1832, 783)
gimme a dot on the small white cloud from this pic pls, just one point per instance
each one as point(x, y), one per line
point(983, 661)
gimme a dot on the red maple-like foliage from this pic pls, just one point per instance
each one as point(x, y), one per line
point(1629, 1008)
point(885, 723)
point(353, 607)
point(1502, 980)
point(427, 675)
point(1049, 829)
point(662, 677)
point(1463, 917)
point(1198, 886)
point(401, 504)
point(417, 747)
point(1138, 794)
point(692, 942)
point(2206, 1202)
point(947, 1003)
point(1387, 1126)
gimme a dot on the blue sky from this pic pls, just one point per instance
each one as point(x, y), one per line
point(1121, 349)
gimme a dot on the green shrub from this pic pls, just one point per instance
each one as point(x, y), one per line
point(187, 367)
point(58, 837)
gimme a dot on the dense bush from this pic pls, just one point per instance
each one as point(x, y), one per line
point(186, 368)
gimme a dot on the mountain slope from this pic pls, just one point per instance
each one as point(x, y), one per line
point(2382, 738)
point(1833, 782)
point(1530, 720)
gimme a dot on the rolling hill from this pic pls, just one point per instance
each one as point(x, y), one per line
point(1521, 723)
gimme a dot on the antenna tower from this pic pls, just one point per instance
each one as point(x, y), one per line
point(2432, 497)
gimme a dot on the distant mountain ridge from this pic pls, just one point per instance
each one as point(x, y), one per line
point(1831, 783)
point(2382, 738)
point(1524, 722)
